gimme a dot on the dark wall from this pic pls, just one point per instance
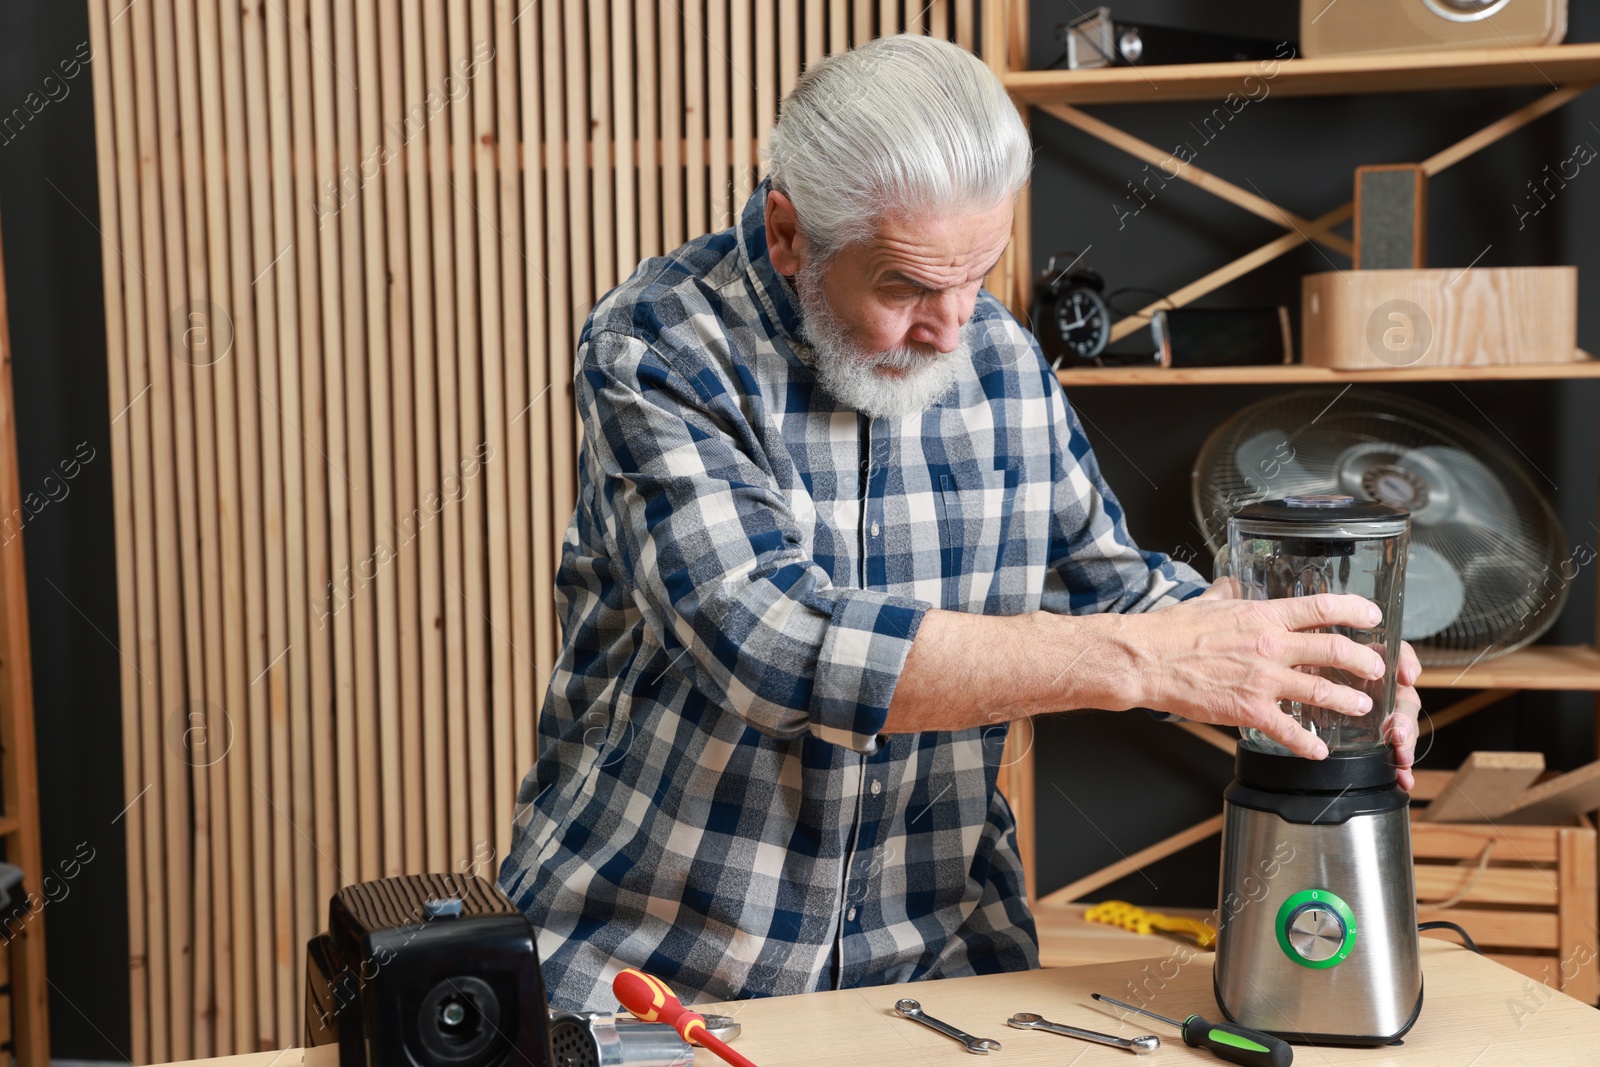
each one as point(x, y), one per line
point(1109, 785)
point(49, 210)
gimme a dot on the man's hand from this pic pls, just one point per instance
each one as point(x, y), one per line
point(1401, 727)
point(1225, 661)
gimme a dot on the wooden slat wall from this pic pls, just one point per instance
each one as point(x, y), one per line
point(348, 245)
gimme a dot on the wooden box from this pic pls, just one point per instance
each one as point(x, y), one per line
point(1453, 317)
point(1526, 894)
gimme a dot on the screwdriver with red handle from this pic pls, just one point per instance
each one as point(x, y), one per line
point(648, 998)
point(1228, 1041)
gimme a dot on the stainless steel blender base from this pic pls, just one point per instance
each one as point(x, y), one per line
point(1318, 931)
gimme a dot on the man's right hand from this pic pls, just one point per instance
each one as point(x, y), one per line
point(1228, 662)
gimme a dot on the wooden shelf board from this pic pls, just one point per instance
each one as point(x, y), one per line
point(1554, 667)
point(1297, 374)
point(1397, 72)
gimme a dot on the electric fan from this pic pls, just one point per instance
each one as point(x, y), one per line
point(1485, 573)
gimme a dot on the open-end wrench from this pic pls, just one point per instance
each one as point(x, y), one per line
point(1027, 1020)
point(910, 1009)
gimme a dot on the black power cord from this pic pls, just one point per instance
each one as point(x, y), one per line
point(1440, 924)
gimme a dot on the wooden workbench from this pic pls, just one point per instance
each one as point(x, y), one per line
point(1475, 1013)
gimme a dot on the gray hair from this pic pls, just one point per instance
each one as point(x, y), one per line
point(906, 124)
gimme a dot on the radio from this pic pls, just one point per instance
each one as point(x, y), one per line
point(1364, 27)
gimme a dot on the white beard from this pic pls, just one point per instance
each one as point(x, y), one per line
point(854, 376)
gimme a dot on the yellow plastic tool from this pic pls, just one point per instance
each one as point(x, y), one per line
point(1127, 916)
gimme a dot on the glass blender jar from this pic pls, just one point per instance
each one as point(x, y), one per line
point(1303, 545)
point(1317, 928)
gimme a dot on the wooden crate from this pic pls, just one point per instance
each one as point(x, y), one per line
point(1526, 894)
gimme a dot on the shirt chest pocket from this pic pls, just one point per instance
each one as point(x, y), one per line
point(975, 512)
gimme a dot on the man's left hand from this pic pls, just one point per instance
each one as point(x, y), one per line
point(1401, 726)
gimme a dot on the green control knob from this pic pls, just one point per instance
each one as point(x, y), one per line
point(1316, 929)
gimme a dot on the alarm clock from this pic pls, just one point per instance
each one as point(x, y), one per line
point(1070, 315)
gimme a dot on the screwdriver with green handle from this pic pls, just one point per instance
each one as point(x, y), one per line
point(1227, 1041)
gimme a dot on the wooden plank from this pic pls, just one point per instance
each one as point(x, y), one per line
point(1558, 800)
point(427, 526)
point(367, 400)
point(838, 25)
point(475, 787)
point(1578, 664)
point(148, 344)
point(530, 491)
point(334, 120)
point(673, 66)
point(1578, 937)
point(22, 962)
point(270, 733)
point(719, 120)
point(556, 405)
point(180, 243)
point(1016, 781)
point(580, 292)
point(1340, 75)
point(1497, 928)
point(1462, 841)
point(602, 145)
point(311, 750)
point(312, 731)
point(695, 127)
point(1129, 864)
point(1488, 885)
point(1429, 784)
point(1485, 787)
point(232, 773)
point(398, 531)
point(447, 206)
point(514, 746)
point(647, 86)
point(498, 777)
point(242, 136)
point(622, 141)
point(152, 60)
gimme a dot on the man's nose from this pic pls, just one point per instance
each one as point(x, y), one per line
point(941, 317)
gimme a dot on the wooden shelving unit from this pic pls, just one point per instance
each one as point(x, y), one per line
point(1567, 71)
point(1297, 374)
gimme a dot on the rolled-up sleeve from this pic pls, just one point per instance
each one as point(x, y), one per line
point(717, 566)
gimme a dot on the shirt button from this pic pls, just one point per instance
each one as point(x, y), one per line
point(850, 915)
point(874, 529)
point(877, 787)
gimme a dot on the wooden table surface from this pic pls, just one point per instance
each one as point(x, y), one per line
point(1476, 1013)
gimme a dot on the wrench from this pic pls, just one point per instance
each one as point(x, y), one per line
point(1027, 1020)
point(910, 1009)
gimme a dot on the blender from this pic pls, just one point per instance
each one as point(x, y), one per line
point(1317, 924)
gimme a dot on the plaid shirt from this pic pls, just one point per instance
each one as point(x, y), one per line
point(745, 572)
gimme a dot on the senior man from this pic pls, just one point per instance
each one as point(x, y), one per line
point(836, 527)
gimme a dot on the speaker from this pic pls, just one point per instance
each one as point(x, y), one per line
point(1391, 212)
point(1366, 27)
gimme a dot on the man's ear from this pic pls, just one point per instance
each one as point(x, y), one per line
point(786, 245)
